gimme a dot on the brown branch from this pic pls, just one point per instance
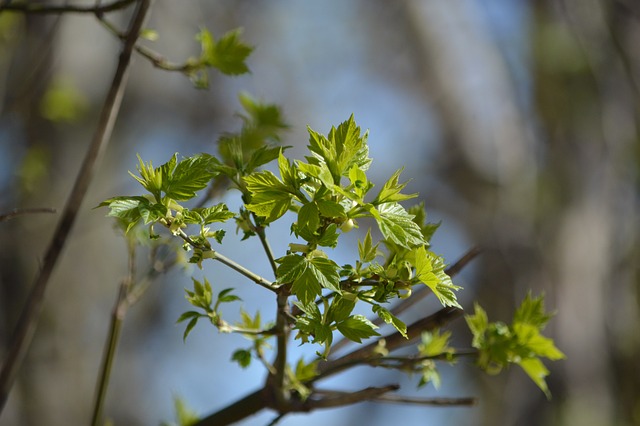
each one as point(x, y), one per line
point(27, 323)
point(241, 409)
point(42, 9)
point(442, 402)
point(333, 399)
point(20, 212)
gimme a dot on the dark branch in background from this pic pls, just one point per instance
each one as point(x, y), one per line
point(263, 398)
point(39, 8)
point(397, 399)
point(20, 212)
point(27, 323)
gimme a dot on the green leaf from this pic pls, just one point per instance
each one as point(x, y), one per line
point(356, 328)
point(228, 54)
point(478, 324)
point(389, 318)
point(306, 372)
point(340, 309)
point(366, 250)
point(320, 172)
point(262, 120)
point(343, 148)
point(434, 343)
point(242, 357)
point(397, 225)
point(359, 181)
point(306, 287)
point(531, 311)
point(207, 215)
point(521, 343)
point(308, 276)
point(290, 268)
point(225, 296)
point(190, 326)
point(184, 415)
point(536, 370)
point(270, 198)
point(329, 237)
point(187, 315)
point(441, 285)
point(309, 217)
point(150, 177)
point(263, 155)
point(326, 272)
point(331, 209)
point(390, 191)
point(190, 175)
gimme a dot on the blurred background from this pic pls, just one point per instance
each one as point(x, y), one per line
point(517, 122)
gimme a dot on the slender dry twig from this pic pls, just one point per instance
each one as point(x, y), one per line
point(20, 212)
point(332, 399)
point(440, 402)
point(117, 319)
point(41, 8)
point(27, 323)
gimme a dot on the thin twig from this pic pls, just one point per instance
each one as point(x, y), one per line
point(117, 318)
point(440, 402)
point(263, 282)
point(267, 248)
point(20, 212)
point(332, 399)
point(27, 323)
point(40, 8)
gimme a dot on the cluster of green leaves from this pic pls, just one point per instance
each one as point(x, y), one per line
point(202, 297)
point(519, 343)
point(434, 346)
point(227, 55)
point(326, 195)
point(329, 193)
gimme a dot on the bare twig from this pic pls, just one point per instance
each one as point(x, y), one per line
point(27, 323)
point(41, 8)
point(117, 319)
point(332, 399)
point(20, 212)
point(440, 402)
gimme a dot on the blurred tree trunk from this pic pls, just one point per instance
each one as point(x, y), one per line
point(31, 145)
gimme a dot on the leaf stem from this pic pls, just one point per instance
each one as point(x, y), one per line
point(263, 282)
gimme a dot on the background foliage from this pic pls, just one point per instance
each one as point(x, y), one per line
point(516, 120)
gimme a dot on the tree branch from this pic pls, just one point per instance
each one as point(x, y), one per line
point(20, 212)
point(397, 399)
point(332, 399)
point(27, 323)
point(42, 9)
